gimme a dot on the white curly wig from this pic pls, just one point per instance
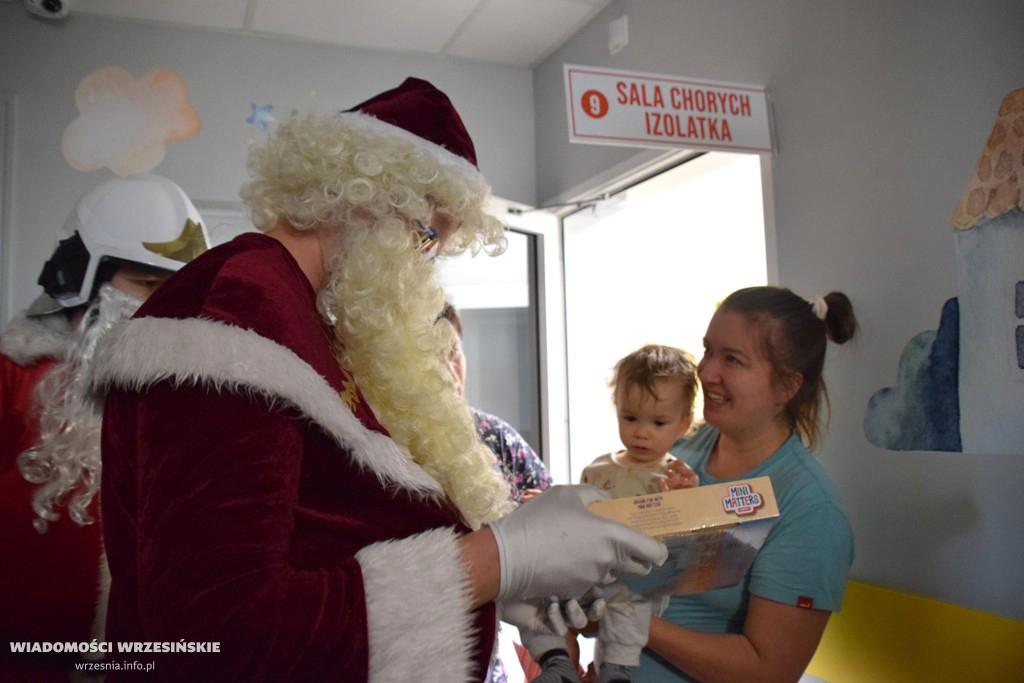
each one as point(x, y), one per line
point(315, 170)
point(65, 462)
point(366, 181)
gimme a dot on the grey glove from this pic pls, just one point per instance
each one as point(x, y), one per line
point(623, 630)
point(554, 545)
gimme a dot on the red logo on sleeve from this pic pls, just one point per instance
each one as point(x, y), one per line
point(805, 601)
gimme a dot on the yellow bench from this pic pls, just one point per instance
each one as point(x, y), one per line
point(884, 635)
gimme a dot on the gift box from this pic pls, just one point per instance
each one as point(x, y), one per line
point(712, 532)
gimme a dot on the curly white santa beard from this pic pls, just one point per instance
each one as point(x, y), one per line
point(385, 299)
point(66, 460)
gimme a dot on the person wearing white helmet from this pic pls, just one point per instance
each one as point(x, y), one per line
point(120, 242)
point(144, 221)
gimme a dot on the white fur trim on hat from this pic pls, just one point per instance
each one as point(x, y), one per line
point(373, 125)
point(144, 351)
point(418, 580)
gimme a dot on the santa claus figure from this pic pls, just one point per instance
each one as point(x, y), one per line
point(287, 470)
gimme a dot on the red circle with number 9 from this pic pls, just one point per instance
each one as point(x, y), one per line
point(594, 104)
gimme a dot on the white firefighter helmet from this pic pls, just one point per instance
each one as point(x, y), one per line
point(145, 219)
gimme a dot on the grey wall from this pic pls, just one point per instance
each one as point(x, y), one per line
point(501, 367)
point(42, 62)
point(881, 110)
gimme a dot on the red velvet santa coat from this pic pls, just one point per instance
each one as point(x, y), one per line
point(250, 498)
point(49, 583)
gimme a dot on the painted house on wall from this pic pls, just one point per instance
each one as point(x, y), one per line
point(990, 268)
point(961, 387)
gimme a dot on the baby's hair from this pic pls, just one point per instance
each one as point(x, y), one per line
point(652, 362)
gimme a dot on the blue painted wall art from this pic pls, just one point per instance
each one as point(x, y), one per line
point(961, 387)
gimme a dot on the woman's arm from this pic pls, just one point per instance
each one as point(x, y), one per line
point(777, 643)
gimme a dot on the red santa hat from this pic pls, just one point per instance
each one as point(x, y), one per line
point(419, 112)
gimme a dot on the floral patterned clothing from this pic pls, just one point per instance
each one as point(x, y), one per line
point(520, 464)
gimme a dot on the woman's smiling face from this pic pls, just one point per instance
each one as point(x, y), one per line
point(740, 394)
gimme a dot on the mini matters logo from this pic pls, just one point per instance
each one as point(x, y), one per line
point(742, 500)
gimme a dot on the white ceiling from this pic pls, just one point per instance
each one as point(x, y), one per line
point(513, 32)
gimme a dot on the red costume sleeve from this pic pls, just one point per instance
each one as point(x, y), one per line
point(18, 428)
point(49, 583)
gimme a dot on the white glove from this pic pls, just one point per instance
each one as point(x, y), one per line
point(592, 604)
point(541, 623)
point(623, 630)
point(554, 545)
point(554, 616)
point(541, 616)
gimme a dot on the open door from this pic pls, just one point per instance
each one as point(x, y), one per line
point(513, 330)
point(649, 265)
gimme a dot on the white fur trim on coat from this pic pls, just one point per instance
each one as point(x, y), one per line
point(99, 622)
point(144, 351)
point(418, 581)
point(27, 340)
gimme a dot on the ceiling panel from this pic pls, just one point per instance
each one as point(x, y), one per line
point(219, 14)
point(513, 32)
point(398, 25)
point(521, 32)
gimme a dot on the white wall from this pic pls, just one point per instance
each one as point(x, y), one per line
point(881, 109)
point(42, 62)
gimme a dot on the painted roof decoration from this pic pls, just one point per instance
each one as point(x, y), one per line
point(997, 183)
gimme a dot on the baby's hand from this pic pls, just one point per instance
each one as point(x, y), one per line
point(528, 494)
point(680, 476)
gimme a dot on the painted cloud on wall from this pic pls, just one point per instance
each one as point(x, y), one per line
point(125, 123)
point(922, 412)
point(961, 388)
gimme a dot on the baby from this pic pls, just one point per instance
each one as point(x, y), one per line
point(653, 389)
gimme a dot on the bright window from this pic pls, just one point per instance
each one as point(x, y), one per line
point(649, 266)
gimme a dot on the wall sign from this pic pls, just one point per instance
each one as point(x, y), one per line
point(633, 109)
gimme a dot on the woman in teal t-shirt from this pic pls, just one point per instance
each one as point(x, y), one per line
point(763, 395)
